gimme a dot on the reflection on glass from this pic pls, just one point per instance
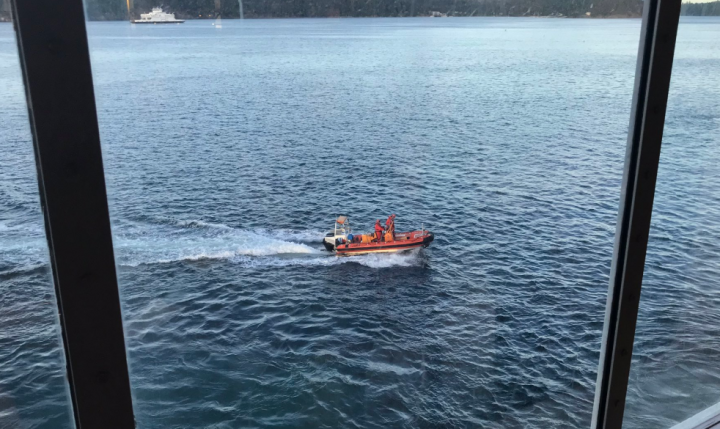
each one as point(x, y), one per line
point(675, 372)
point(33, 387)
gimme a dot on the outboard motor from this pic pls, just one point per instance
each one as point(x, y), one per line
point(329, 241)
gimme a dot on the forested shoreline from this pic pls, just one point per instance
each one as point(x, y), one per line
point(113, 10)
point(187, 9)
point(701, 9)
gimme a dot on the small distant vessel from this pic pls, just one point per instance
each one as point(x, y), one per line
point(343, 242)
point(157, 16)
point(218, 23)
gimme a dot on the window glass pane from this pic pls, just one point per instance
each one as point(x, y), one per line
point(675, 371)
point(33, 386)
point(230, 148)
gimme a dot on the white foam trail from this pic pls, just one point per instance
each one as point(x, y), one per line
point(309, 236)
point(200, 223)
point(167, 240)
point(411, 258)
point(28, 266)
point(166, 247)
point(25, 229)
point(22, 246)
point(385, 260)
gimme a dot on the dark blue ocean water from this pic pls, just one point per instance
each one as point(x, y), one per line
point(228, 152)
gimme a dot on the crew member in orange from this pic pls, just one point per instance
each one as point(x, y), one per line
point(390, 225)
point(378, 231)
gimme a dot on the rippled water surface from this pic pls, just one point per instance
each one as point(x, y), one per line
point(228, 152)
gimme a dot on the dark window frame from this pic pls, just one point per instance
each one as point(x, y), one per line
point(647, 121)
point(55, 62)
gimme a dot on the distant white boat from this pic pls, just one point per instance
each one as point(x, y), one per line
point(157, 16)
point(218, 22)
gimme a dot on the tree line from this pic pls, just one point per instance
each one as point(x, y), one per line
point(188, 9)
point(106, 10)
point(701, 9)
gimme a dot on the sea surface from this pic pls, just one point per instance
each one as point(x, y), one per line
point(229, 151)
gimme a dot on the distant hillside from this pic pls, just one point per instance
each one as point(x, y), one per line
point(116, 9)
point(701, 9)
point(102, 10)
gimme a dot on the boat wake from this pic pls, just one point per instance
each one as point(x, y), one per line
point(138, 243)
point(410, 258)
point(166, 240)
point(193, 240)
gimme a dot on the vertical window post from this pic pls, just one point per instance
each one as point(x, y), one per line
point(652, 82)
point(55, 63)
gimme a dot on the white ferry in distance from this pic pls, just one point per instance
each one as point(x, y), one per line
point(157, 16)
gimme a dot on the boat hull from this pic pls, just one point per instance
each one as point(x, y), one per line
point(403, 242)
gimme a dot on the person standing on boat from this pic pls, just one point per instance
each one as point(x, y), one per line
point(378, 231)
point(390, 225)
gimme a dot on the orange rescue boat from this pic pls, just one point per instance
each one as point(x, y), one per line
point(343, 242)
